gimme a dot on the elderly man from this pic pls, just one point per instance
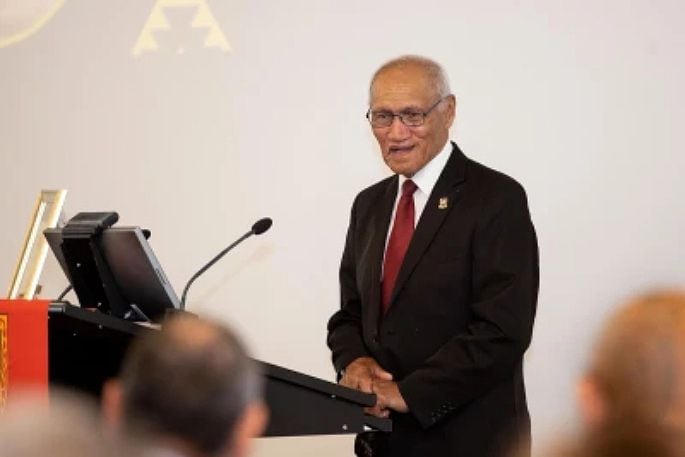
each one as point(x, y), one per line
point(188, 390)
point(439, 281)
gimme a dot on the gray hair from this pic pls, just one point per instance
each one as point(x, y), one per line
point(192, 380)
point(66, 426)
point(431, 67)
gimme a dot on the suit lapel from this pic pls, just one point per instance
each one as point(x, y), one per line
point(376, 250)
point(440, 202)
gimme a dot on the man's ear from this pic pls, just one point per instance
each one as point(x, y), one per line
point(112, 404)
point(251, 425)
point(451, 110)
point(592, 405)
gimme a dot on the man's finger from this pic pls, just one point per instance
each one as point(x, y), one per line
point(377, 411)
point(380, 373)
point(347, 381)
point(365, 385)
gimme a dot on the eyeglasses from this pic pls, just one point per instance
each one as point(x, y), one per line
point(408, 117)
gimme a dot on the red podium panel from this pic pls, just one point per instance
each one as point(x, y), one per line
point(23, 347)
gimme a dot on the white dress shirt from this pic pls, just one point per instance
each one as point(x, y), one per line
point(425, 180)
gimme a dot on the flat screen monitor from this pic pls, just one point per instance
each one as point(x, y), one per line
point(134, 269)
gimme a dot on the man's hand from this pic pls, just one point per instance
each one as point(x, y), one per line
point(362, 372)
point(366, 374)
point(388, 397)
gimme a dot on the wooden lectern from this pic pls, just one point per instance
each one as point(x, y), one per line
point(85, 348)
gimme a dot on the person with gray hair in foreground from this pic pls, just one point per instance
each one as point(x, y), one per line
point(190, 390)
point(65, 425)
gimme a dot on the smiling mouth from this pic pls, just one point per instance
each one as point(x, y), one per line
point(400, 149)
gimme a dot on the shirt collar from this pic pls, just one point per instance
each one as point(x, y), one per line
point(426, 177)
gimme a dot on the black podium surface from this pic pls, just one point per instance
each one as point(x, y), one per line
point(86, 348)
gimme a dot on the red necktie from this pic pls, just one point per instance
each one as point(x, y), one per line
point(402, 231)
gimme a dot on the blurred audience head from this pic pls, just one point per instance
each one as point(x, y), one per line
point(637, 372)
point(66, 426)
point(189, 387)
point(623, 441)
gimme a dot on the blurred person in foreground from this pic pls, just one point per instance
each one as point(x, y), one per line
point(188, 390)
point(636, 375)
point(646, 441)
point(632, 396)
point(67, 426)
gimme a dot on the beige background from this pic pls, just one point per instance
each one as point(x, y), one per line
point(582, 102)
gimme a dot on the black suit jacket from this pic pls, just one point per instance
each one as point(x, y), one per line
point(461, 314)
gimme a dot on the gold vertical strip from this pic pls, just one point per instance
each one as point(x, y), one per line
point(32, 258)
point(4, 362)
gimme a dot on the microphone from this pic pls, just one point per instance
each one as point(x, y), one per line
point(259, 227)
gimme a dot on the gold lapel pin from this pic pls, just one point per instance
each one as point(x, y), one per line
point(444, 201)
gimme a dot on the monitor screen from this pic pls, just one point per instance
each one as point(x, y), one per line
point(134, 270)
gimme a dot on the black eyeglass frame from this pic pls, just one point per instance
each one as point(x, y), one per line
point(401, 115)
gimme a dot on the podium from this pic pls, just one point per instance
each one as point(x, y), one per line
point(86, 347)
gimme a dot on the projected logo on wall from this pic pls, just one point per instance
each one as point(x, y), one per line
point(20, 19)
point(159, 22)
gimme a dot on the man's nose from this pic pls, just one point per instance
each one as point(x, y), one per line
point(398, 130)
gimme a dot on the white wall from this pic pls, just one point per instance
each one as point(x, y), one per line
point(580, 101)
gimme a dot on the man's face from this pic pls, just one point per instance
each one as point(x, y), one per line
point(407, 149)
